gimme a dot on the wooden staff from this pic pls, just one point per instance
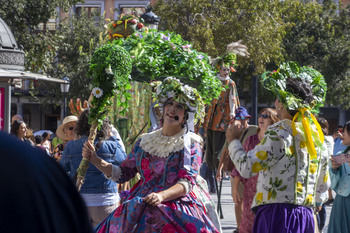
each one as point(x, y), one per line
point(84, 164)
point(110, 67)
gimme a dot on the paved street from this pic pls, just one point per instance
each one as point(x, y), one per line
point(228, 223)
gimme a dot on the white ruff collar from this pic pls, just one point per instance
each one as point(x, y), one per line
point(223, 78)
point(155, 143)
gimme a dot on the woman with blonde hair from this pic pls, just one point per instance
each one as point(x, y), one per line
point(266, 117)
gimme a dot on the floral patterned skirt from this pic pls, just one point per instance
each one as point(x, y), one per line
point(180, 215)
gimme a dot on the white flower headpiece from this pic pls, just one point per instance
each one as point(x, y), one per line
point(184, 94)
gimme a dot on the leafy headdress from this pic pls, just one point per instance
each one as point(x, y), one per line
point(304, 121)
point(184, 94)
point(228, 59)
point(276, 82)
point(160, 54)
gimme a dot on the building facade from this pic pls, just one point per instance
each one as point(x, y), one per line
point(49, 117)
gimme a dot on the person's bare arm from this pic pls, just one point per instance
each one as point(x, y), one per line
point(169, 194)
point(154, 199)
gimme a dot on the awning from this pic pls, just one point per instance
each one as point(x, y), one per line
point(15, 74)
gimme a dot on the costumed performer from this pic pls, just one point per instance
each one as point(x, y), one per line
point(168, 161)
point(292, 158)
point(222, 110)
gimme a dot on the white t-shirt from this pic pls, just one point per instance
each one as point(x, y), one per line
point(100, 199)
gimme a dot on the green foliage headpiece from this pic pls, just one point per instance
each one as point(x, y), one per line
point(184, 94)
point(276, 82)
point(160, 54)
point(227, 60)
point(110, 67)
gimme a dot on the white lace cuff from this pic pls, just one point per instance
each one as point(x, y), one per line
point(186, 184)
point(116, 173)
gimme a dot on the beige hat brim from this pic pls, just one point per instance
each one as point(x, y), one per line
point(59, 132)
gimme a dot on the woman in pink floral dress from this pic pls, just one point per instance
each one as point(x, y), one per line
point(168, 161)
point(266, 117)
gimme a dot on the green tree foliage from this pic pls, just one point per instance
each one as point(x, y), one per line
point(318, 35)
point(23, 16)
point(67, 52)
point(274, 31)
point(211, 25)
point(64, 52)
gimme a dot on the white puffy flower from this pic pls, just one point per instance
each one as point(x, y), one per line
point(187, 90)
point(97, 92)
point(109, 70)
point(159, 89)
point(170, 94)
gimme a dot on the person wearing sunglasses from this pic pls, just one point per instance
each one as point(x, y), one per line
point(65, 132)
point(225, 164)
point(266, 117)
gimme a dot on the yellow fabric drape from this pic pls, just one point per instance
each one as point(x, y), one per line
point(309, 137)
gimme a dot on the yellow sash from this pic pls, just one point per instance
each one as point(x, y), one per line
point(307, 130)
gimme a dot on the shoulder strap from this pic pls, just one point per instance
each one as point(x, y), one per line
point(243, 135)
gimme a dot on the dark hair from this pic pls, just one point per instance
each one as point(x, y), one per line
point(15, 127)
point(83, 126)
point(38, 139)
point(347, 128)
point(324, 125)
point(185, 114)
point(301, 89)
point(45, 134)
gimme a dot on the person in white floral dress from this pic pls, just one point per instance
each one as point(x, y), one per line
point(292, 158)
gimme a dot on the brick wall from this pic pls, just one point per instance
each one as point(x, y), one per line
point(152, 2)
point(345, 2)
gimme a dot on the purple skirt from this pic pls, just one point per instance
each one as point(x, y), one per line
point(282, 217)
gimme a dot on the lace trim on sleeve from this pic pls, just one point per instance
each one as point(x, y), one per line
point(116, 173)
point(186, 184)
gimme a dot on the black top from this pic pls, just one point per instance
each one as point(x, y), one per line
point(36, 195)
